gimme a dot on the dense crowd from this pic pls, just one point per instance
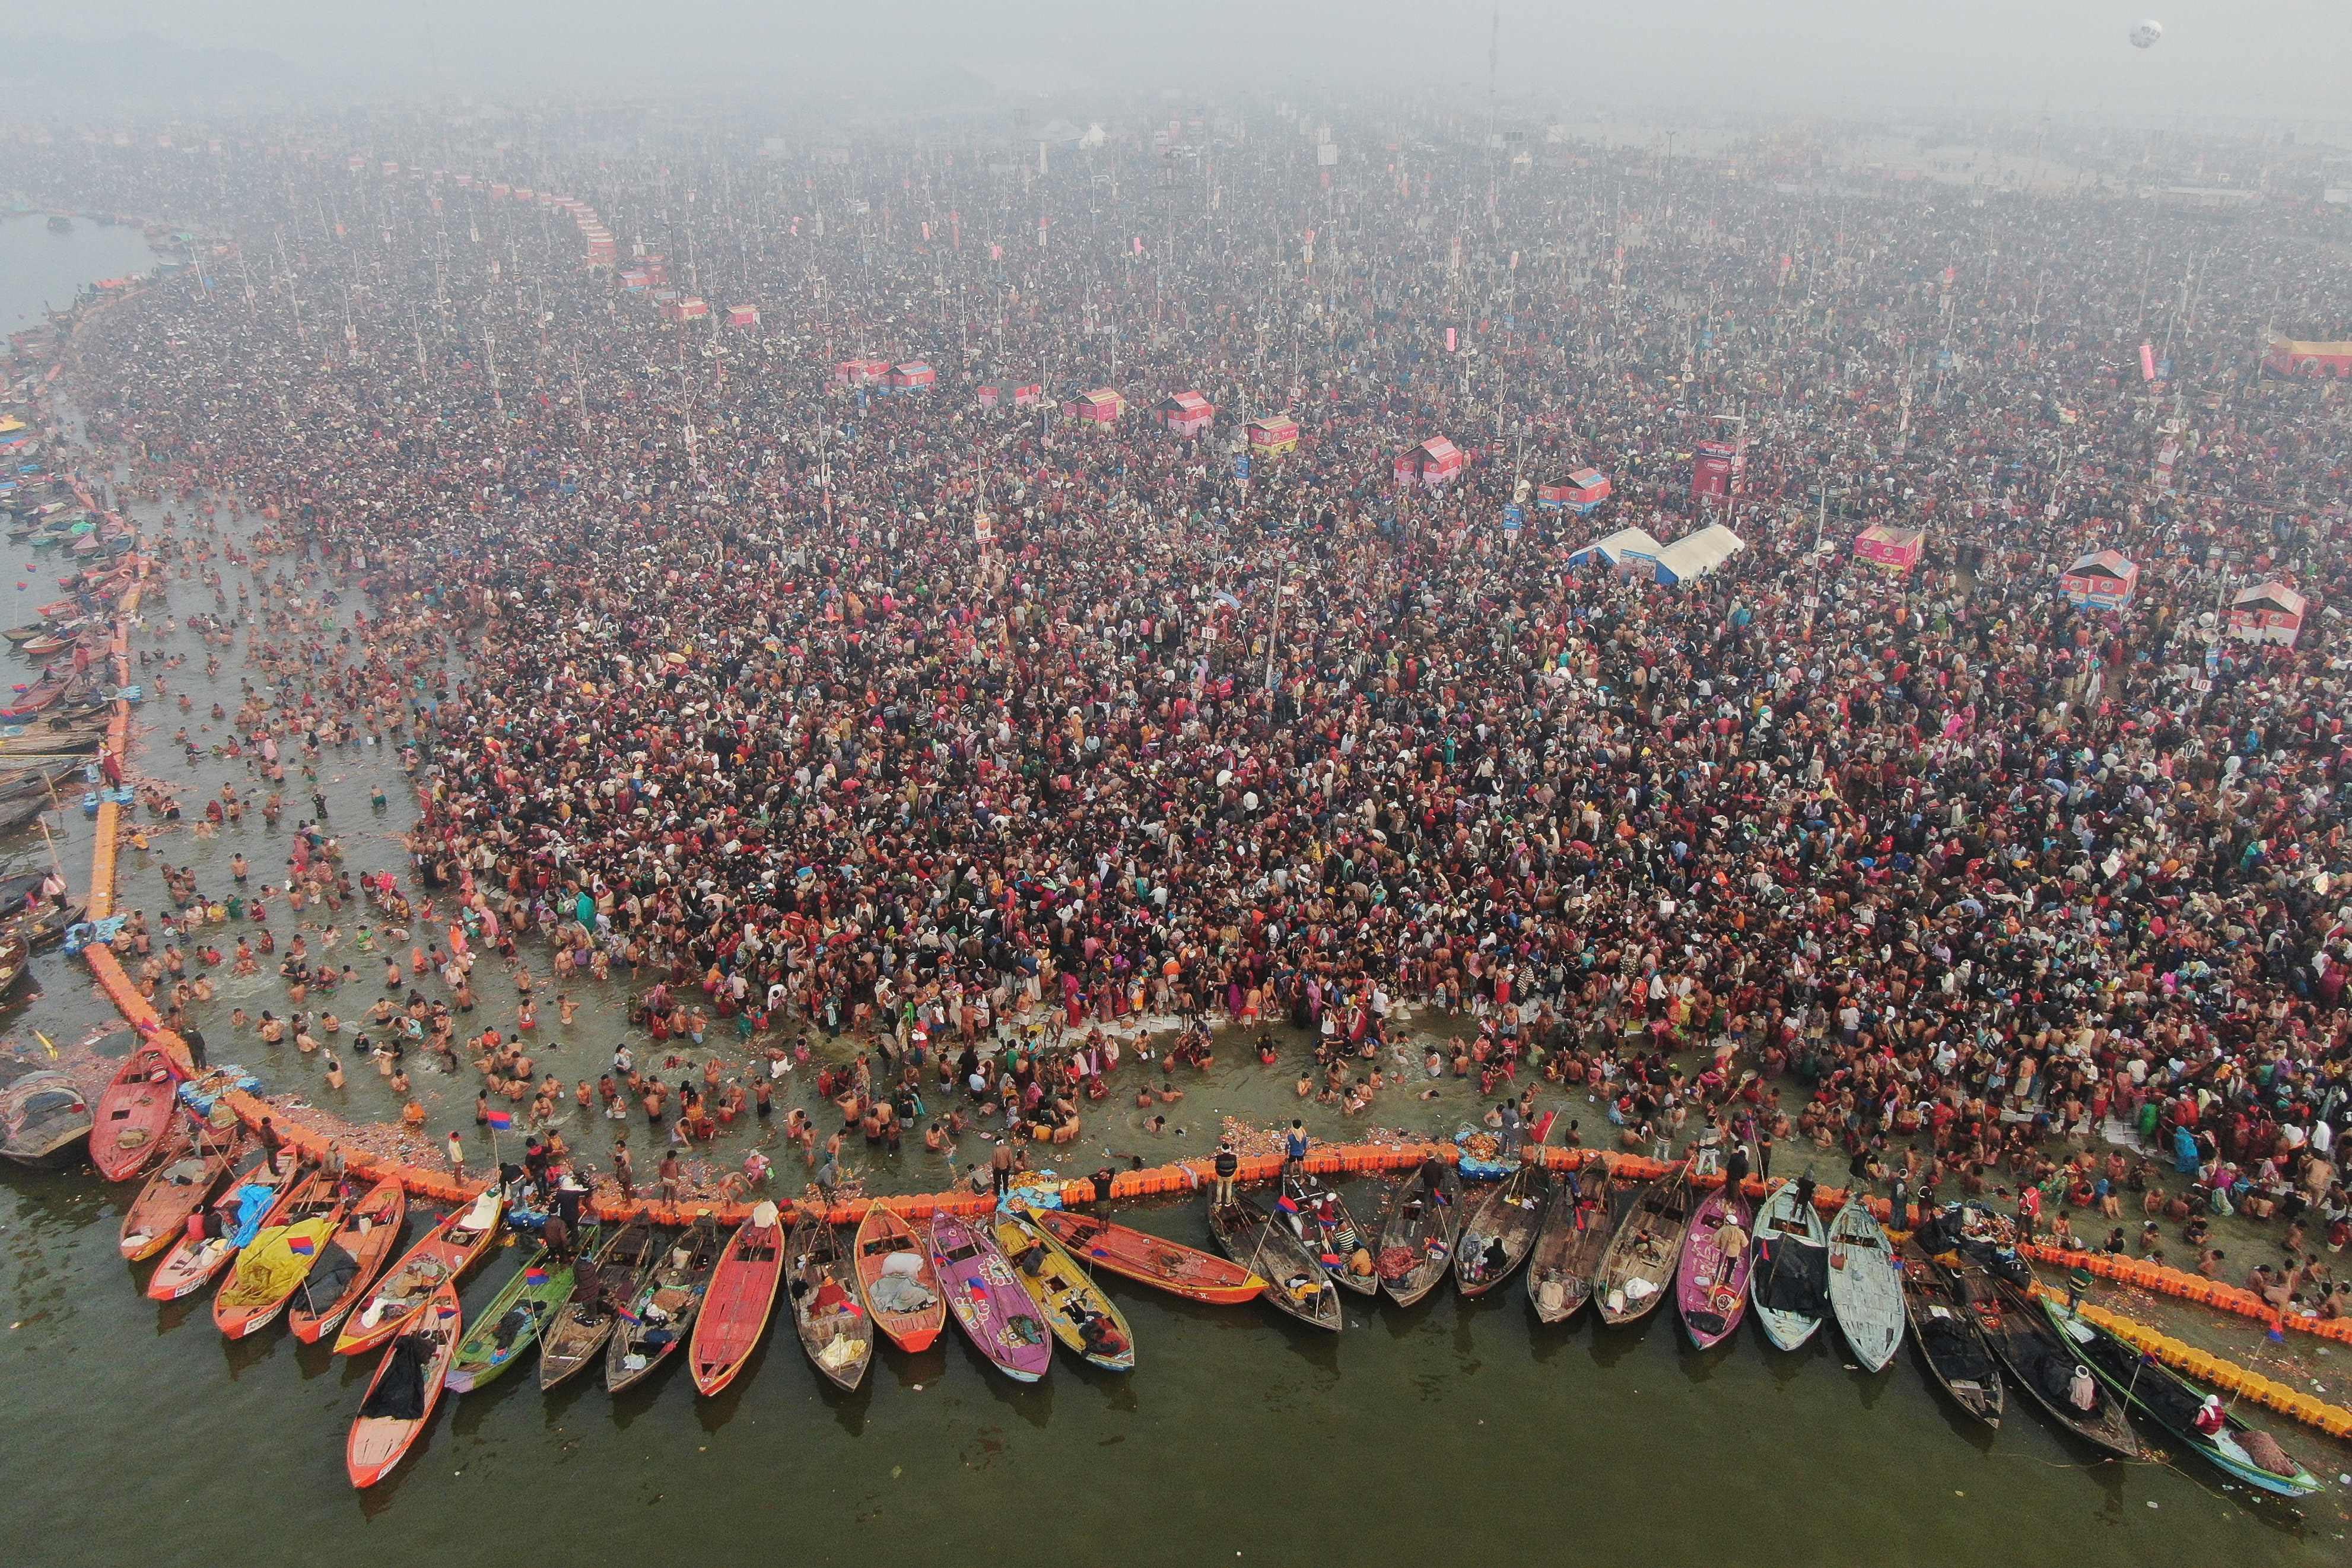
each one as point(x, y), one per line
point(713, 682)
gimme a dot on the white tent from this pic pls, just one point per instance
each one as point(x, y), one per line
point(1626, 544)
point(1695, 555)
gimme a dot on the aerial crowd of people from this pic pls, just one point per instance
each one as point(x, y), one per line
point(916, 750)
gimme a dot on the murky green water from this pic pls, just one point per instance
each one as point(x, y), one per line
point(134, 1434)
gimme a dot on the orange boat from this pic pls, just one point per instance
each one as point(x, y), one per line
point(742, 1295)
point(274, 1265)
point(451, 1248)
point(886, 1248)
point(250, 1207)
point(1151, 1260)
point(406, 1387)
point(131, 1126)
point(348, 1264)
point(186, 1180)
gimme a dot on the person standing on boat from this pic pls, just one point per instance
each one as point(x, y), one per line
point(1228, 1164)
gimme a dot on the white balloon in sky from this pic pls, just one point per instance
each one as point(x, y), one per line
point(2145, 35)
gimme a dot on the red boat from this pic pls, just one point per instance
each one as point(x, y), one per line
point(30, 702)
point(190, 1177)
point(406, 1387)
point(1149, 1260)
point(884, 1236)
point(451, 1248)
point(359, 1248)
point(742, 1295)
point(250, 1207)
point(134, 1115)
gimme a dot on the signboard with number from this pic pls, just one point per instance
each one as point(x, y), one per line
point(1513, 515)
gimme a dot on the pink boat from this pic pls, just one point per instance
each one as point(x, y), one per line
point(1711, 1283)
point(996, 1313)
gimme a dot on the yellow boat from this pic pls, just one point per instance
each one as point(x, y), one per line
point(279, 1259)
point(1082, 1317)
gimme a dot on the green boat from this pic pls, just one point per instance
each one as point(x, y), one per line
point(509, 1325)
point(2172, 1403)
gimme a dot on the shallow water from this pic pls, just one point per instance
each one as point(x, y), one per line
point(136, 1433)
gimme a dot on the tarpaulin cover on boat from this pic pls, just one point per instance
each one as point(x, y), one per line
point(399, 1394)
point(1791, 1276)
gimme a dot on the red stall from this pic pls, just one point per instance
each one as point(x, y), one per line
point(1273, 436)
point(2103, 579)
point(1029, 396)
point(687, 307)
point(742, 315)
point(1100, 407)
point(1433, 462)
point(912, 375)
point(1187, 413)
point(860, 372)
point(2270, 612)
point(1582, 494)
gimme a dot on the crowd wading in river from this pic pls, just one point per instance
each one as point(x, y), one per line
point(901, 659)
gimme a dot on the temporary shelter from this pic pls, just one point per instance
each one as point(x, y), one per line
point(1431, 463)
point(2103, 579)
point(1272, 437)
point(1695, 555)
point(1582, 494)
point(2269, 613)
point(1187, 413)
point(1891, 545)
point(1626, 547)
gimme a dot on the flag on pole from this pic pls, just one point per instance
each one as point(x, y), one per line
point(2147, 362)
point(500, 1121)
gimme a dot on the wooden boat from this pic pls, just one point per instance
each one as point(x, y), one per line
point(1788, 1284)
point(1318, 1216)
point(189, 1177)
point(406, 1386)
point(446, 1251)
point(1865, 1287)
point(1945, 1332)
point(661, 1313)
point(895, 1279)
point(43, 1120)
point(274, 1264)
point(248, 1207)
point(132, 1125)
point(1507, 1216)
point(611, 1276)
point(1296, 1283)
point(509, 1325)
point(1576, 1231)
point(39, 927)
point(742, 1295)
point(836, 1332)
point(1711, 1278)
point(1087, 1323)
point(2172, 1402)
point(1638, 1264)
point(1149, 1260)
point(994, 1312)
point(346, 1268)
point(2038, 1361)
point(1418, 1227)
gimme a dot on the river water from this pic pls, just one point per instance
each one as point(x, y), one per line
point(136, 1434)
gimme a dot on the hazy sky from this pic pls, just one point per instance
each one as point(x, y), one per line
point(2290, 58)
